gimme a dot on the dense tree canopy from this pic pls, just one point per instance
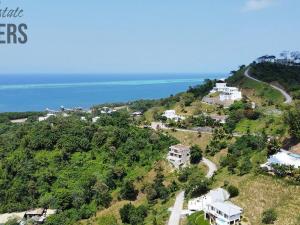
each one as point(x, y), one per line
point(72, 165)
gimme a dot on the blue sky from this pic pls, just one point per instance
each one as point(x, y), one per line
point(149, 36)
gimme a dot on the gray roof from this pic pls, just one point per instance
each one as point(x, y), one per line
point(227, 207)
point(180, 147)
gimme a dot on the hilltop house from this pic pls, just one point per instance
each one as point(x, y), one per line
point(217, 207)
point(226, 93)
point(171, 114)
point(179, 156)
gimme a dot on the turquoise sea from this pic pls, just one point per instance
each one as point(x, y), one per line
point(38, 92)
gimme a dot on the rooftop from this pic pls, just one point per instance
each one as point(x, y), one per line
point(180, 147)
point(227, 207)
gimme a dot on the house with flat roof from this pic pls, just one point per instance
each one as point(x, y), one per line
point(179, 156)
point(283, 157)
point(226, 93)
point(216, 207)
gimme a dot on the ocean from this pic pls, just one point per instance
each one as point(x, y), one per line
point(20, 93)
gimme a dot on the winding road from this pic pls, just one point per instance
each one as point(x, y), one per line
point(288, 98)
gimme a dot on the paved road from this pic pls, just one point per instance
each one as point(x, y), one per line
point(212, 168)
point(288, 98)
point(176, 210)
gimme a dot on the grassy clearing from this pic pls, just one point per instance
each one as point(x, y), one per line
point(191, 138)
point(197, 219)
point(260, 192)
point(261, 90)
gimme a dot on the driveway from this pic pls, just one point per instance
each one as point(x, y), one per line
point(176, 210)
point(212, 168)
point(288, 98)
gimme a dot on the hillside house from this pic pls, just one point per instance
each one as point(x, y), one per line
point(226, 93)
point(171, 114)
point(219, 118)
point(283, 157)
point(179, 156)
point(217, 207)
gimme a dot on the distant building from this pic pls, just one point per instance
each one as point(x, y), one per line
point(137, 113)
point(227, 93)
point(217, 207)
point(171, 114)
point(219, 118)
point(107, 110)
point(179, 156)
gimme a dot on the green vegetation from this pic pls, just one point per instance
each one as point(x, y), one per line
point(133, 215)
point(197, 219)
point(72, 165)
point(285, 75)
point(269, 216)
point(255, 91)
point(233, 191)
point(6, 117)
point(196, 154)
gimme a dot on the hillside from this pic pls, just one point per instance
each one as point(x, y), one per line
point(287, 76)
point(73, 165)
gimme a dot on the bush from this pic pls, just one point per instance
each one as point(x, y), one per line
point(233, 191)
point(196, 154)
point(132, 215)
point(269, 216)
point(128, 191)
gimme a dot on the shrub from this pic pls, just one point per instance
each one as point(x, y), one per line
point(233, 191)
point(196, 154)
point(269, 216)
point(128, 191)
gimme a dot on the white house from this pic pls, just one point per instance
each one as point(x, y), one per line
point(227, 93)
point(179, 156)
point(283, 158)
point(171, 114)
point(217, 209)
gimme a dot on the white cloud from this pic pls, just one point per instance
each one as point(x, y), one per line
point(255, 5)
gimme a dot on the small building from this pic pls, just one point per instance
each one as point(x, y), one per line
point(226, 93)
point(107, 110)
point(217, 207)
point(219, 118)
point(179, 156)
point(171, 114)
point(137, 113)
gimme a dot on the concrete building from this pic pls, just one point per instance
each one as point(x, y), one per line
point(217, 207)
point(288, 158)
point(226, 93)
point(179, 156)
point(171, 114)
